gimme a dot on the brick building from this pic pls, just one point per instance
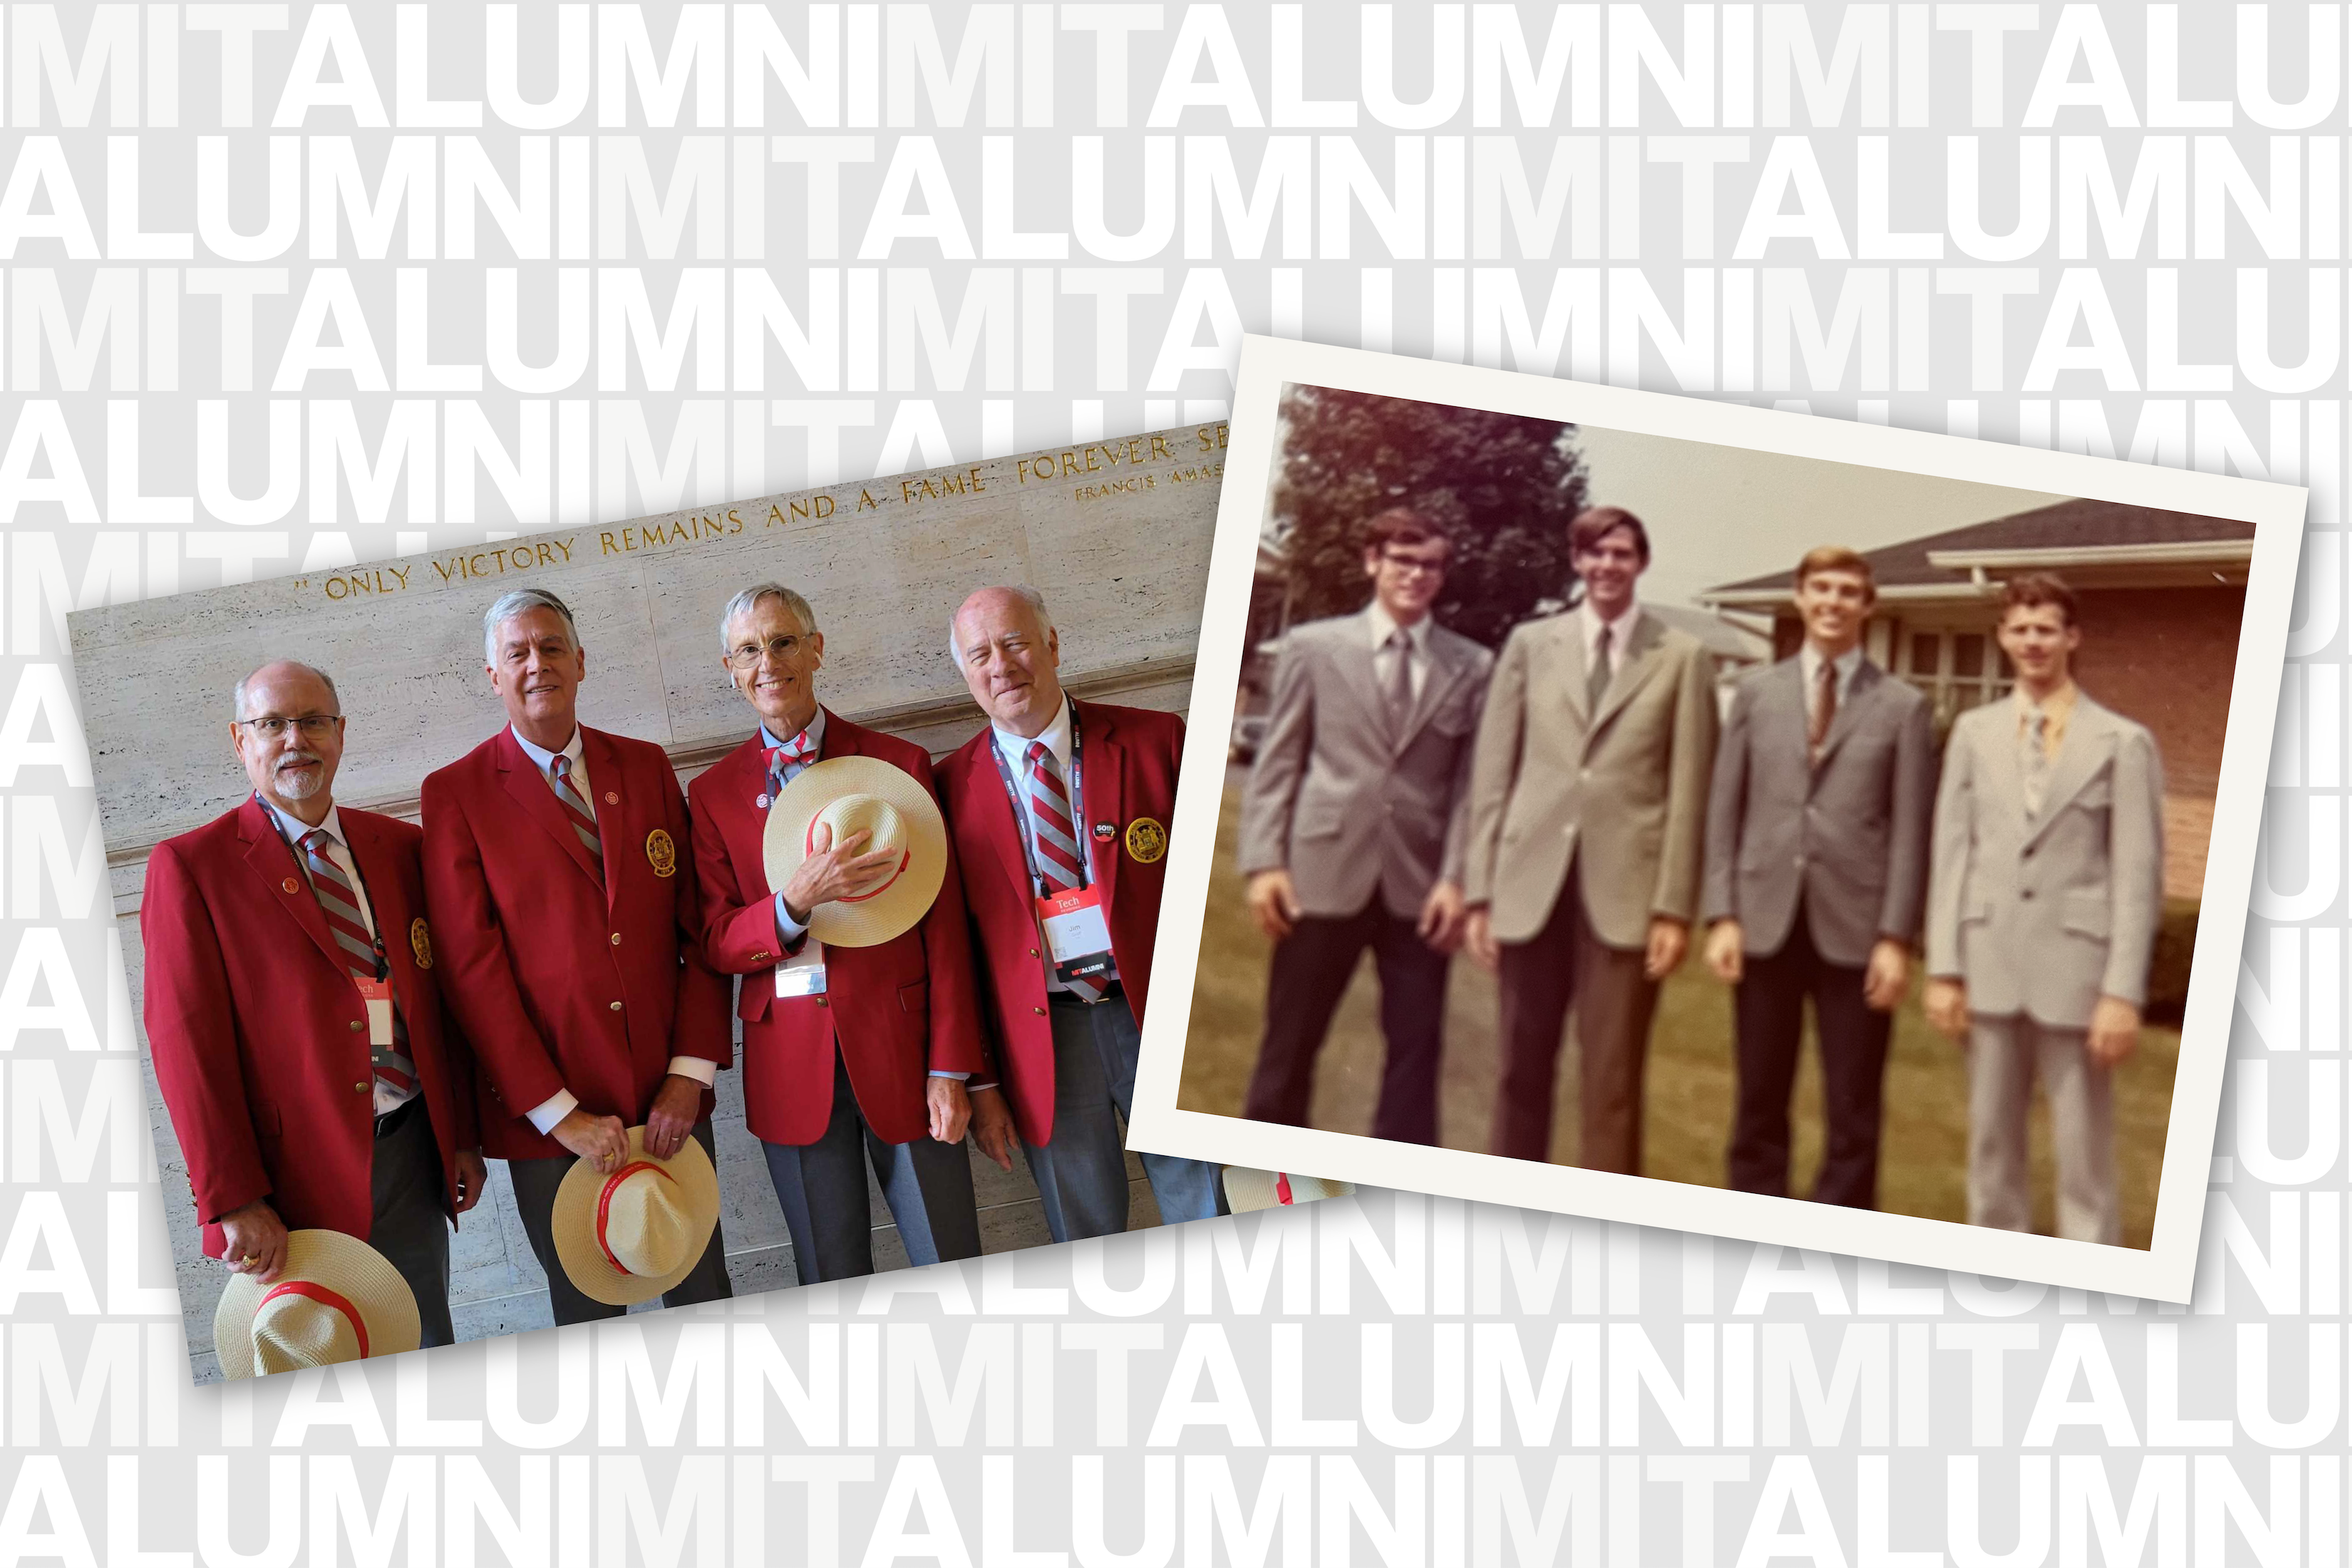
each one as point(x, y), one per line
point(2162, 595)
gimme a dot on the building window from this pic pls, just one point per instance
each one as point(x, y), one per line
point(1955, 669)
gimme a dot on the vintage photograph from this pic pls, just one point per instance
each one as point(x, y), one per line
point(640, 915)
point(1613, 787)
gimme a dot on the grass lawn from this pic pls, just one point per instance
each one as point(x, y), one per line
point(1924, 1150)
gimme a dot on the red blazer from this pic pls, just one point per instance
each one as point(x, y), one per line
point(899, 1009)
point(1129, 758)
point(566, 982)
point(258, 1034)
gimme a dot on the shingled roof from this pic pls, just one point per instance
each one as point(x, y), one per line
point(2070, 525)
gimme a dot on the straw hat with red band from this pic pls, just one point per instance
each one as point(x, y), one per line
point(848, 795)
point(337, 1299)
point(1246, 1189)
point(630, 1236)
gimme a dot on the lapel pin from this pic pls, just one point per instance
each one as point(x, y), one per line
point(291, 884)
point(611, 797)
point(1106, 831)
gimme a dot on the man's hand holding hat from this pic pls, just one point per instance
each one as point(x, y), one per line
point(836, 872)
point(255, 1241)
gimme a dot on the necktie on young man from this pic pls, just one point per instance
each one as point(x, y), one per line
point(575, 807)
point(1060, 858)
point(339, 902)
point(1596, 680)
point(1824, 710)
point(1399, 688)
point(2035, 776)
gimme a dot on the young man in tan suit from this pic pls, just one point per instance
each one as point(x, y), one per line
point(2043, 895)
point(1588, 808)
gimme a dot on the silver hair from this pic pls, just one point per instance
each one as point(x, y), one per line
point(744, 602)
point(520, 602)
point(1022, 591)
point(237, 697)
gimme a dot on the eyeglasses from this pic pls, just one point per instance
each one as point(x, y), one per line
point(1411, 566)
point(782, 649)
point(314, 726)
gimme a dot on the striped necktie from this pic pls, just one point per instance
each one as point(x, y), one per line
point(339, 902)
point(1060, 861)
point(575, 807)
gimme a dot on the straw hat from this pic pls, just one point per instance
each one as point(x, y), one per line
point(629, 1236)
point(1246, 1189)
point(847, 794)
point(338, 1299)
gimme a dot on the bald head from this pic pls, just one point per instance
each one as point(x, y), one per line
point(1005, 644)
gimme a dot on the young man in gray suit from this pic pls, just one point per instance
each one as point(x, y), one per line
point(1352, 826)
point(1816, 875)
point(1588, 806)
point(2043, 902)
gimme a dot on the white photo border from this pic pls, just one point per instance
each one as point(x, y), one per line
point(2165, 1271)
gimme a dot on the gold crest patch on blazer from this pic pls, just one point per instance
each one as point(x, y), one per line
point(420, 942)
point(661, 853)
point(1146, 840)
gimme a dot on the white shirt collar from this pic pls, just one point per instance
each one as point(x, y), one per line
point(1382, 623)
point(814, 732)
point(1847, 663)
point(1618, 630)
point(1014, 748)
point(545, 759)
point(294, 828)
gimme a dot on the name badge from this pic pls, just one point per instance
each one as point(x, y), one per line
point(1077, 935)
point(377, 996)
point(802, 974)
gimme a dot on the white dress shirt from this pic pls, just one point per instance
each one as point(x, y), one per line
point(1809, 663)
point(1014, 750)
point(1609, 637)
point(338, 851)
point(1384, 657)
point(563, 1102)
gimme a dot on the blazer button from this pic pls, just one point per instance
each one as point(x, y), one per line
point(616, 1006)
point(1040, 1012)
point(1033, 953)
point(820, 1001)
point(2025, 892)
point(758, 958)
point(359, 1089)
point(357, 1025)
point(616, 939)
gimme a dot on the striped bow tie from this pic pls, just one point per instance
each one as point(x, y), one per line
point(339, 902)
point(1060, 858)
point(785, 761)
point(576, 808)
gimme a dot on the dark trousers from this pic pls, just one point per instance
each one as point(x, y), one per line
point(1770, 1011)
point(410, 1224)
point(1308, 974)
point(1081, 1171)
point(535, 1182)
point(822, 1186)
point(1566, 963)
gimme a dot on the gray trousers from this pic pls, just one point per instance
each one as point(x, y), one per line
point(410, 1226)
point(1082, 1172)
point(2005, 1056)
point(535, 1184)
point(822, 1187)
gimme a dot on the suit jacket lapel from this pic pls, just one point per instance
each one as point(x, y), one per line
point(1000, 824)
point(530, 789)
point(1866, 677)
point(2083, 747)
point(1355, 661)
point(603, 760)
point(1639, 663)
point(1570, 634)
point(267, 853)
point(1103, 765)
point(1446, 672)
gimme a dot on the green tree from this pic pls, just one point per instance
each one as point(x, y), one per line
point(1502, 486)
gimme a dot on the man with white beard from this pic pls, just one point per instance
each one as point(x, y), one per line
point(295, 1015)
